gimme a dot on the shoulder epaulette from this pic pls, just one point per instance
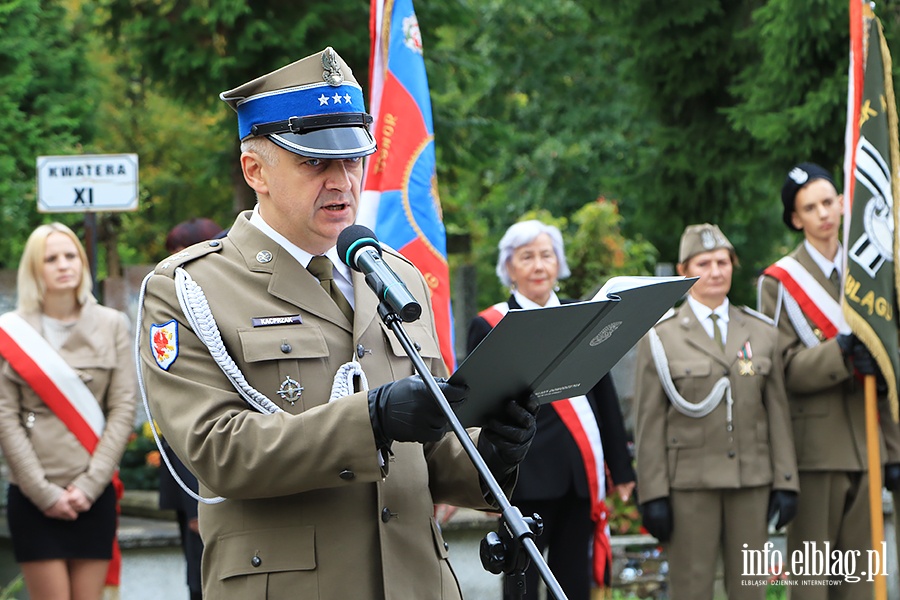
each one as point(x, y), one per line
point(758, 315)
point(168, 265)
point(669, 314)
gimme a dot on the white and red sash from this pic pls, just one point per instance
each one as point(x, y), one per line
point(814, 300)
point(578, 417)
point(62, 390)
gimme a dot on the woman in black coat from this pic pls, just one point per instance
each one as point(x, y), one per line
point(563, 477)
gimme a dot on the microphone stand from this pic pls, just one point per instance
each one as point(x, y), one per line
point(501, 551)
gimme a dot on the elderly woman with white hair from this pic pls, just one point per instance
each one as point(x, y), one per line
point(563, 477)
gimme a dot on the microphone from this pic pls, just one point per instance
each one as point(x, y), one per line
point(360, 250)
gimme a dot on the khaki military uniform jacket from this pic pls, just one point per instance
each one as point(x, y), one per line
point(309, 512)
point(43, 455)
point(826, 402)
point(675, 451)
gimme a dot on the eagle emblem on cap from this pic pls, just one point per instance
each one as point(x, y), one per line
point(332, 73)
point(798, 175)
point(708, 239)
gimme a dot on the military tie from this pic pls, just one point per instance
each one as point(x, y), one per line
point(717, 333)
point(323, 269)
point(835, 278)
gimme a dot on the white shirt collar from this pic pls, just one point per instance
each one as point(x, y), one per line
point(526, 303)
point(826, 265)
point(300, 255)
point(703, 312)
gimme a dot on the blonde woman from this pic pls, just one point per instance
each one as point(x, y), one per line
point(67, 402)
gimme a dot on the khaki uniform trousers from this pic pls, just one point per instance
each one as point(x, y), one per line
point(834, 507)
point(707, 522)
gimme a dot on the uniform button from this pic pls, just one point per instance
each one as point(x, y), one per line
point(446, 546)
point(347, 475)
point(787, 476)
point(417, 346)
point(360, 350)
point(724, 371)
point(386, 514)
point(256, 561)
point(286, 348)
point(731, 454)
point(214, 244)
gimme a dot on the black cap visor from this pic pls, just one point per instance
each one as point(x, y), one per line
point(332, 143)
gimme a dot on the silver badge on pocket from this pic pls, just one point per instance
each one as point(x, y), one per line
point(290, 390)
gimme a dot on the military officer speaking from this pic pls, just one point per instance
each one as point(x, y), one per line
point(256, 351)
point(715, 457)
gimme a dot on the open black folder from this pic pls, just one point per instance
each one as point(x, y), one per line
point(562, 351)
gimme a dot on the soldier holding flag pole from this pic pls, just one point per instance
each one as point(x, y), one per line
point(870, 222)
point(827, 311)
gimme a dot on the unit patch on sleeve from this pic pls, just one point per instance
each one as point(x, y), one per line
point(164, 343)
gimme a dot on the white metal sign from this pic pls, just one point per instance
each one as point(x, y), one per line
point(87, 183)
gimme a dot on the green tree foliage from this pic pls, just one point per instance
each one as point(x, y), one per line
point(195, 50)
point(530, 112)
point(198, 49)
point(46, 108)
point(793, 99)
point(694, 165)
point(525, 112)
point(184, 159)
point(596, 249)
point(685, 111)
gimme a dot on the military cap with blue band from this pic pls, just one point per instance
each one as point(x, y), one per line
point(313, 107)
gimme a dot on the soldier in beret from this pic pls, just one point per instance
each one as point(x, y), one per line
point(715, 457)
point(802, 293)
point(257, 351)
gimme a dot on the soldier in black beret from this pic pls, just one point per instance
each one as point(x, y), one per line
point(822, 358)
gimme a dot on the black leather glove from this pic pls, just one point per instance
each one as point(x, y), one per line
point(784, 504)
point(656, 516)
point(405, 411)
point(864, 364)
point(859, 356)
point(845, 342)
point(863, 361)
point(892, 477)
point(505, 440)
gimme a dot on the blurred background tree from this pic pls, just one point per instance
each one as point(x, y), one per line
point(685, 111)
point(47, 107)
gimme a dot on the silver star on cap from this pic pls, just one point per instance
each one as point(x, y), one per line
point(798, 175)
point(263, 256)
point(290, 390)
point(332, 74)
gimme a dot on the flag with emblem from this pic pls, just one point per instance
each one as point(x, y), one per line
point(400, 193)
point(871, 181)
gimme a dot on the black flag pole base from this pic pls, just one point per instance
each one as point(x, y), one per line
point(501, 552)
point(518, 530)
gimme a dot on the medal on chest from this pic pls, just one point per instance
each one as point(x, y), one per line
point(745, 360)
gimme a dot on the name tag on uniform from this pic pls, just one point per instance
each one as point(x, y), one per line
point(269, 321)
